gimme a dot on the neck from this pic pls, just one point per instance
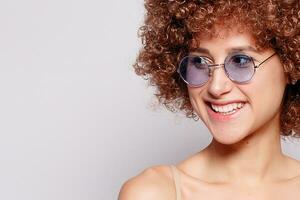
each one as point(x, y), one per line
point(253, 160)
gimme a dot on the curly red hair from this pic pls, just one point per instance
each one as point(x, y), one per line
point(169, 33)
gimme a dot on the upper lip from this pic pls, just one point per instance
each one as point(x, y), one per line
point(221, 103)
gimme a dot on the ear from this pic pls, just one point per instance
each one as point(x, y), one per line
point(287, 68)
point(288, 78)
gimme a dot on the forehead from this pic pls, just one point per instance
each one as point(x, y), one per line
point(224, 38)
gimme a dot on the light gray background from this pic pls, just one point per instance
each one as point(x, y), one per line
point(76, 122)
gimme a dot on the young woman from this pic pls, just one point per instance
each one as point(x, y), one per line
point(235, 64)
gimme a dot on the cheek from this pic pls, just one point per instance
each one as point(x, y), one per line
point(194, 95)
point(266, 91)
point(269, 81)
point(274, 85)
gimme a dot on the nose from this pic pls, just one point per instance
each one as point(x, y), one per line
point(219, 84)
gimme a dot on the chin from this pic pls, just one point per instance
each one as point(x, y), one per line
point(227, 141)
point(229, 138)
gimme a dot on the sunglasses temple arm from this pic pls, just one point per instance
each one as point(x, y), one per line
point(257, 66)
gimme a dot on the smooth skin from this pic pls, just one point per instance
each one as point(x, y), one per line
point(244, 159)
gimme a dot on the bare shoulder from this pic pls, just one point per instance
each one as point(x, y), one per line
point(298, 172)
point(152, 183)
point(293, 172)
point(294, 166)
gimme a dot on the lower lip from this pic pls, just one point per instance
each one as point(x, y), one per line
point(220, 117)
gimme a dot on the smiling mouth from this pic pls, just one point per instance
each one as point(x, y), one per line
point(227, 109)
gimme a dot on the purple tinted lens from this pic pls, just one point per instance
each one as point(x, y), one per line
point(239, 68)
point(194, 70)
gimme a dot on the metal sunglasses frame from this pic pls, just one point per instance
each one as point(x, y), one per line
point(213, 66)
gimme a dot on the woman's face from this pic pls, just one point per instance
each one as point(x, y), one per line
point(260, 99)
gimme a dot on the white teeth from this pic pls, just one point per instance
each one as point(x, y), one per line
point(221, 109)
point(227, 109)
point(215, 108)
point(240, 105)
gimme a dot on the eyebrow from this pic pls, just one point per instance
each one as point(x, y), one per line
point(229, 50)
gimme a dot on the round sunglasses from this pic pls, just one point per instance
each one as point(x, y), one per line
point(196, 70)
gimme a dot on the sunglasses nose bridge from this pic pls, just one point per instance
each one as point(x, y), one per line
point(214, 66)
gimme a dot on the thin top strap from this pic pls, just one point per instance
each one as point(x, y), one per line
point(176, 181)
